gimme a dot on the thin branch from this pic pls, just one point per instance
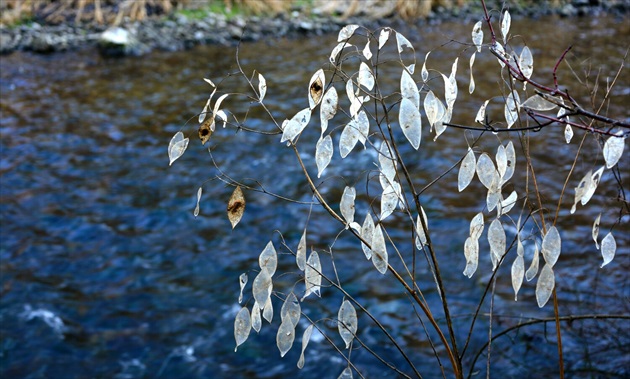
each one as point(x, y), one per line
point(516, 73)
point(332, 343)
point(569, 319)
point(555, 68)
point(374, 319)
point(556, 313)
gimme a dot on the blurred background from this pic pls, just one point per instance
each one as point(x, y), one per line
point(113, 11)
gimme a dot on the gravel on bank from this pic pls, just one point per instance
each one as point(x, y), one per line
point(177, 32)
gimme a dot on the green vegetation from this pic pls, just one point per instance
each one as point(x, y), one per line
point(199, 13)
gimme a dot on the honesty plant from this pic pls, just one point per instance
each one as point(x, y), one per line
point(423, 111)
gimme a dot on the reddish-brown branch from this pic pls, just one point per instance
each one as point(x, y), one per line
point(515, 72)
point(487, 19)
point(591, 129)
point(555, 68)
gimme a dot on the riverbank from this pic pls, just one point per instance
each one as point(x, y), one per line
point(179, 31)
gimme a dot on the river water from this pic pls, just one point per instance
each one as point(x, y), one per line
point(106, 273)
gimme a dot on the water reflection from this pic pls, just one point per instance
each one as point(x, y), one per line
point(105, 270)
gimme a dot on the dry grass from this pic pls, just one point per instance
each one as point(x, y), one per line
point(114, 11)
point(408, 9)
point(260, 6)
point(99, 11)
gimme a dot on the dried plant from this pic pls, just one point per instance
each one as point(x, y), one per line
point(379, 133)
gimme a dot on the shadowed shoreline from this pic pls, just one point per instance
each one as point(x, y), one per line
point(177, 32)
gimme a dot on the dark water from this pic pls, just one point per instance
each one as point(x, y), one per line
point(106, 273)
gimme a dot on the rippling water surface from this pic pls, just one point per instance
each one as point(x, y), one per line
point(106, 273)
